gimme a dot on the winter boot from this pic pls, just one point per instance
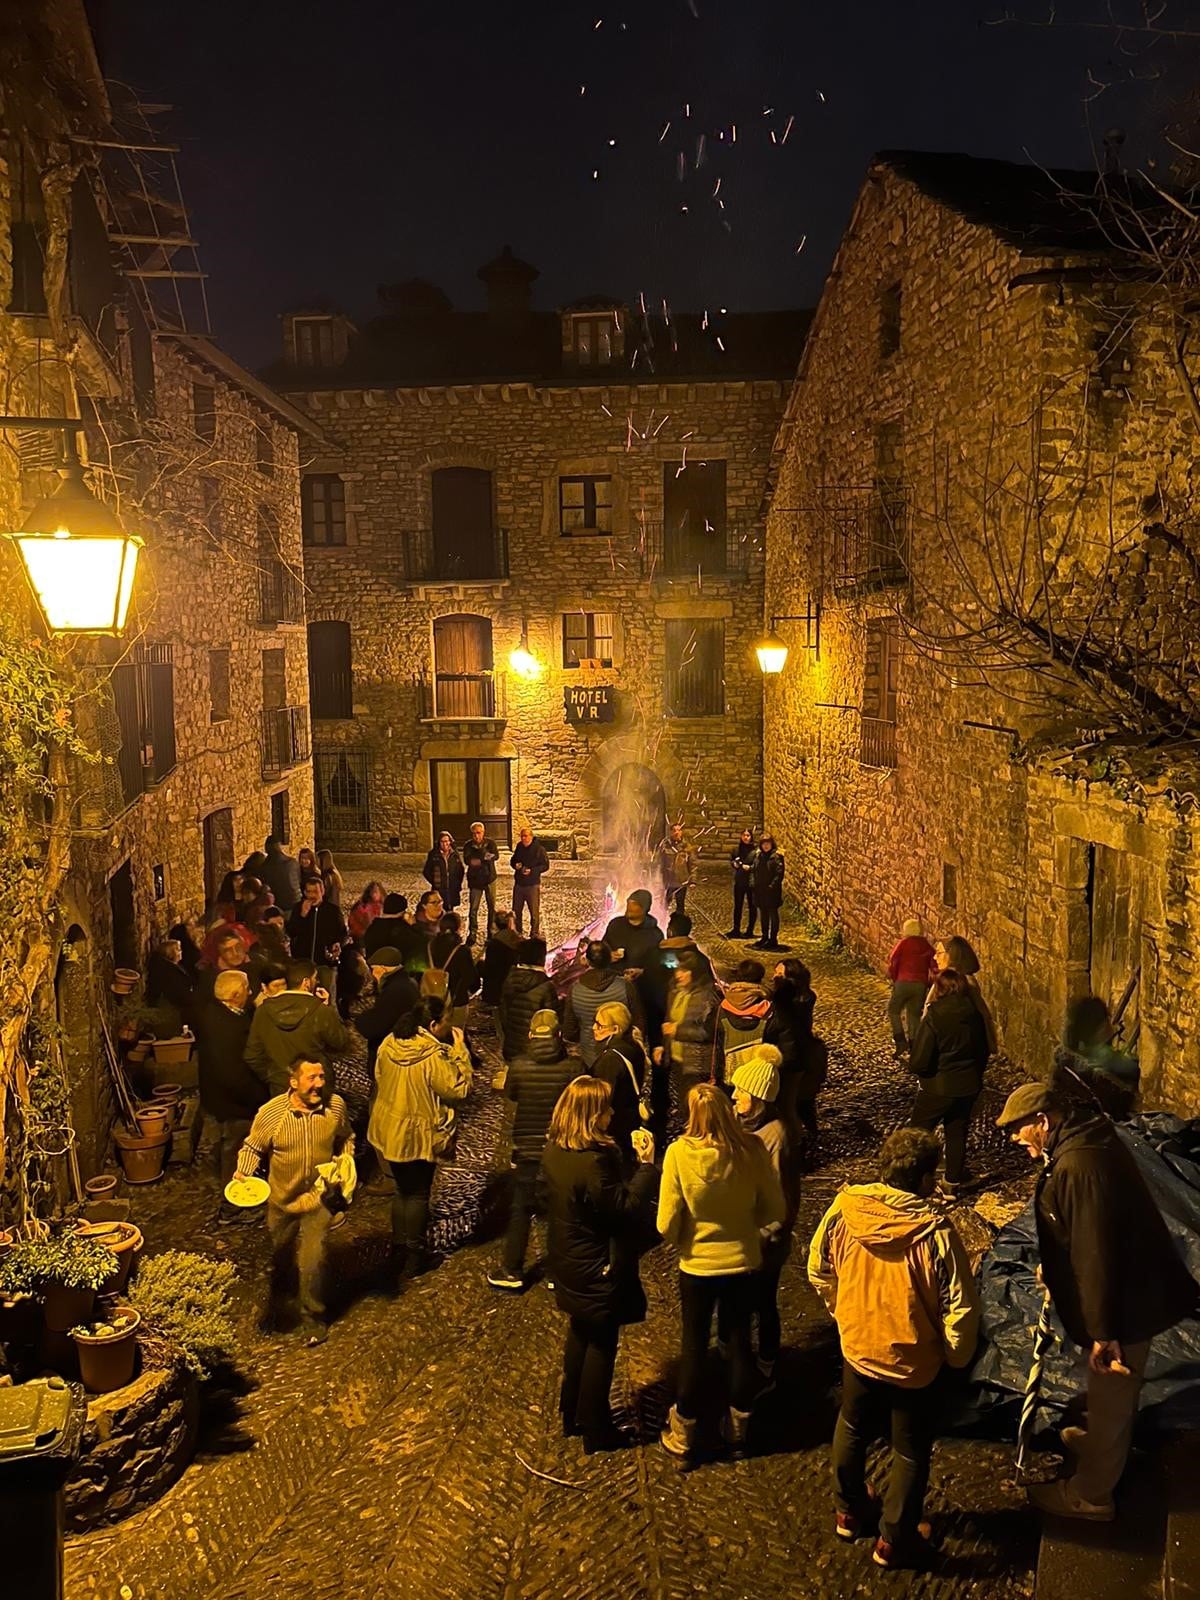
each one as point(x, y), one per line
point(679, 1436)
point(735, 1430)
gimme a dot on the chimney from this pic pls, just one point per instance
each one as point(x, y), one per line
point(509, 282)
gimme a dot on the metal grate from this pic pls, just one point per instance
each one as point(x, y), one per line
point(877, 742)
point(426, 562)
point(285, 738)
point(343, 792)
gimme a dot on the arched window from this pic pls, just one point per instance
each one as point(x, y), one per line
point(464, 684)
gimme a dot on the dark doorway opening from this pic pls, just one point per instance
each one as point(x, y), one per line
point(218, 851)
point(124, 922)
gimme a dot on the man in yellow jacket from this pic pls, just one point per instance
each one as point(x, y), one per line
point(896, 1279)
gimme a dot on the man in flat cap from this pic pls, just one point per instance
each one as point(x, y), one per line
point(1114, 1276)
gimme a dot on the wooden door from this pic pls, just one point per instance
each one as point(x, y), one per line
point(463, 542)
point(1116, 899)
point(462, 665)
point(218, 851)
point(470, 791)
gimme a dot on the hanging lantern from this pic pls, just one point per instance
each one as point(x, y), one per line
point(78, 558)
point(522, 660)
point(772, 653)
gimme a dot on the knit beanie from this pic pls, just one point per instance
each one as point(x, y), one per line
point(911, 929)
point(643, 898)
point(758, 1076)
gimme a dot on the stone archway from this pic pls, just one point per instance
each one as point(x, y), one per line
point(633, 812)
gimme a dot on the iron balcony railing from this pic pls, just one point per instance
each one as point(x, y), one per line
point(462, 697)
point(877, 742)
point(682, 551)
point(430, 557)
point(285, 738)
point(871, 535)
point(280, 595)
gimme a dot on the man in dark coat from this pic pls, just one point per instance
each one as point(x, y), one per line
point(298, 1024)
point(526, 991)
point(317, 931)
point(395, 994)
point(479, 858)
point(535, 1079)
point(1114, 1276)
point(387, 930)
point(632, 936)
point(281, 874)
point(530, 864)
point(499, 954)
point(229, 1092)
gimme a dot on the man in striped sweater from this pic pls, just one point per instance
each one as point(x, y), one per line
point(295, 1133)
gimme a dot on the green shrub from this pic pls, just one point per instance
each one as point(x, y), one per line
point(187, 1298)
point(74, 1261)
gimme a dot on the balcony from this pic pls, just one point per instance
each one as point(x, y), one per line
point(477, 697)
point(280, 595)
point(870, 538)
point(285, 738)
point(480, 558)
point(877, 742)
point(668, 552)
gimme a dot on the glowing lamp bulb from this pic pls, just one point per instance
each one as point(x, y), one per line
point(523, 661)
point(772, 654)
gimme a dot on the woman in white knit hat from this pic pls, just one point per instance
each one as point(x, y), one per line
point(755, 1095)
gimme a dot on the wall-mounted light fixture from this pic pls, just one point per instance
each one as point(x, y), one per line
point(78, 558)
point(522, 660)
point(772, 651)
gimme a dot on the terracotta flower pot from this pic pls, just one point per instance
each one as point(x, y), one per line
point(125, 980)
point(142, 1158)
point(152, 1120)
point(63, 1307)
point(101, 1187)
point(170, 1096)
point(138, 1052)
point(106, 1361)
point(172, 1052)
point(124, 1240)
point(6, 1240)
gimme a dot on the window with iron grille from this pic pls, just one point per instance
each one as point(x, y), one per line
point(330, 674)
point(218, 685)
point(144, 696)
point(877, 746)
point(264, 449)
point(323, 508)
point(890, 302)
point(695, 667)
point(587, 636)
point(204, 411)
point(585, 505)
point(342, 786)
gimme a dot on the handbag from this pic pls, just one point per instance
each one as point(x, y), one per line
point(641, 1091)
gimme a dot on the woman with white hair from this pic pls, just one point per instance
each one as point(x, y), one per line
point(911, 969)
point(620, 1061)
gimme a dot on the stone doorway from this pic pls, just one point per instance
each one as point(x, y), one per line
point(218, 850)
point(1116, 895)
point(633, 812)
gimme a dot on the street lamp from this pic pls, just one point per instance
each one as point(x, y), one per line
point(78, 558)
point(771, 650)
point(522, 660)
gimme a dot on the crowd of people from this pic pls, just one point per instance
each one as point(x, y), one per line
point(655, 1102)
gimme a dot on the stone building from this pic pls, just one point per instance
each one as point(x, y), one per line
point(584, 488)
point(985, 488)
point(199, 712)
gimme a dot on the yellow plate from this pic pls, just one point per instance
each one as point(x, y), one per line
point(247, 1191)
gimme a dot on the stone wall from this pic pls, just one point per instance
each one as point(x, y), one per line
point(1025, 464)
point(528, 436)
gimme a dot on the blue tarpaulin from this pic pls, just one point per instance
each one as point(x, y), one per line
point(1167, 1152)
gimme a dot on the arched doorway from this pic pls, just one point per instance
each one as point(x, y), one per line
point(633, 812)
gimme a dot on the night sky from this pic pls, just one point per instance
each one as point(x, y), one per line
point(332, 147)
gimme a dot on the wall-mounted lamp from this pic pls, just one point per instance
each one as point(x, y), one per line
point(771, 650)
point(522, 660)
point(79, 560)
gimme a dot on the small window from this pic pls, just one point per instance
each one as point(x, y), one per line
point(880, 693)
point(695, 668)
point(314, 341)
point(323, 508)
point(587, 636)
point(889, 320)
point(281, 817)
point(218, 685)
point(593, 340)
point(204, 412)
point(264, 449)
point(585, 505)
point(159, 878)
point(949, 885)
point(210, 505)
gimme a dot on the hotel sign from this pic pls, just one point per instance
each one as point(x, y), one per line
point(585, 703)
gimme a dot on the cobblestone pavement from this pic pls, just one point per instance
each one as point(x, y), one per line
point(417, 1452)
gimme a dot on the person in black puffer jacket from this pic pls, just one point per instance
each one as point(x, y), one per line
point(949, 1053)
point(535, 1079)
point(499, 955)
point(526, 990)
point(596, 1226)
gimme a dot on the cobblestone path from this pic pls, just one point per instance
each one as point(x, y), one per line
point(414, 1454)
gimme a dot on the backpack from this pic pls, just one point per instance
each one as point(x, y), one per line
point(435, 982)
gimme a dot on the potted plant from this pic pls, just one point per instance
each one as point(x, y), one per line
point(187, 1298)
point(124, 1240)
point(152, 1119)
point(107, 1351)
point(65, 1271)
point(125, 980)
point(143, 1156)
point(173, 1052)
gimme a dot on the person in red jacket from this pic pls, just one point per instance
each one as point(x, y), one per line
point(910, 967)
